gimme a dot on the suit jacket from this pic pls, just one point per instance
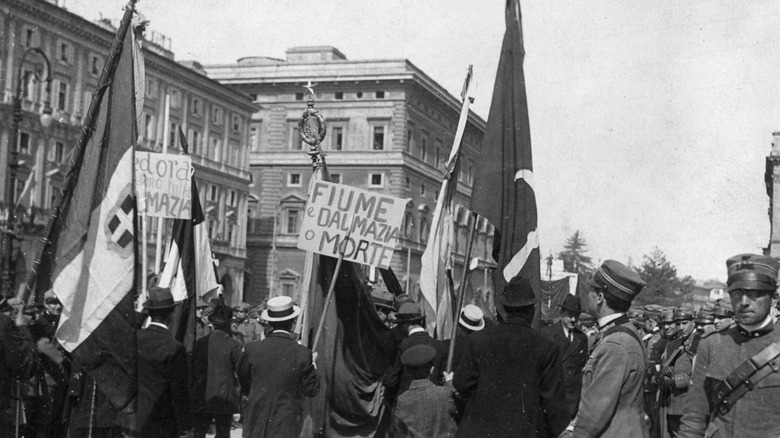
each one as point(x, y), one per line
point(425, 410)
point(163, 396)
point(513, 380)
point(214, 387)
point(611, 404)
point(574, 355)
point(278, 373)
point(398, 381)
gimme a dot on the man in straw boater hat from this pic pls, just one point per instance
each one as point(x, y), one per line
point(611, 400)
point(573, 346)
point(735, 386)
point(471, 320)
point(277, 373)
point(511, 375)
point(163, 393)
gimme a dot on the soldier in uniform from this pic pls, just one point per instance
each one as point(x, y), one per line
point(705, 323)
point(676, 368)
point(723, 316)
point(611, 402)
point(735, 388)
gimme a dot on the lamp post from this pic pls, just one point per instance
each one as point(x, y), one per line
point(7, 283)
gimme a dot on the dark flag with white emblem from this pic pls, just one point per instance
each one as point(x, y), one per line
point(504, 185)
point(95, 256)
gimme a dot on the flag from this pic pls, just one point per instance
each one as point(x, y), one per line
point(189, 270)
point(437, 265)
point(503, 189)
point(94, 268)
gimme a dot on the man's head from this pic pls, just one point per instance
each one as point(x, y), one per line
point(668, 327)
point(752, 286)
point(570, 311)
point(418, 361)
point(472, 319)
point(221, 317)
point(52, 303)
point(384, 303)
point(518, 299)
point(683, 318)
point(649, 324)
point(612, 289)
point(281, 313)
point(160, 304)
point(241, 311)
point(409, 315)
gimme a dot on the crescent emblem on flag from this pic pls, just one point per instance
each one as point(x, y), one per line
point(120, 227)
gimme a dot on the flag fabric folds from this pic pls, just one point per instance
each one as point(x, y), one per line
point(503, 189)
point(94, 272)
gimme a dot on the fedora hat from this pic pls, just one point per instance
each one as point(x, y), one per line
point(472, 318)
point(572, 304)
point(159, 298)
point(383, 299)
point(409, 313)
point(518, 293)
point(280, 308)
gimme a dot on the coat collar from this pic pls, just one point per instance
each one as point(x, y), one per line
point(158, 328)
point(281, 334)
point(517, 321)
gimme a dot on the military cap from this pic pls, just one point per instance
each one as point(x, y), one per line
point(618, 280)
point(383, 299)
point(653, 311)
point(668, 315)
point(243, 307)
point(722, 311)
point(751, 271)
point(159, 298)
point(683, 314)
point(418, 356)
point(572, 304)
point(704, 316)
point(642, 318)
point(409, 312)
point(518, 293)
point(50, 298)
point(472, 318)
point(632, 314)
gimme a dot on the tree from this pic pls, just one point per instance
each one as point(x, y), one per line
point(574, 254)
point(664, 287)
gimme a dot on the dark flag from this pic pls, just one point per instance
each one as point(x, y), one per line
point(189, 268)
point(504, 185)
point(94, 268)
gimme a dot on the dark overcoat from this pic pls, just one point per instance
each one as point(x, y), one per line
point(278, 373)
point(513, 380)
point(574, 355)
point(163, 395)
point(425, 410)
point(214, 387)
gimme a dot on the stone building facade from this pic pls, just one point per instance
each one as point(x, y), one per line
point(214, 117)
point(390, 130)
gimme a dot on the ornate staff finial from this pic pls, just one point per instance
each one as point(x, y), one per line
point(312, 127)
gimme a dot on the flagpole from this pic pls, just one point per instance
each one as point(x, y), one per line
point(462, 290)
point(166, 133)
point(62, 204)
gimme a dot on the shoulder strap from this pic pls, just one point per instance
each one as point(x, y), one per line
point(745, 378)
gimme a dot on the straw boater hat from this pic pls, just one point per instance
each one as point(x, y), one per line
point(280, 309)
point(472, 318)
point(159, 298)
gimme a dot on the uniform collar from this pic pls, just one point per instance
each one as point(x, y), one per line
point(609, 320)
point(158, 324)
point(757, 330)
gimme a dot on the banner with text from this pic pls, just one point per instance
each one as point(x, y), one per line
point(162, 182)
point(364, 225)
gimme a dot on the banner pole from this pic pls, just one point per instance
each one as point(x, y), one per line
point(327, 302)
point(462, 289)
point(166, 133)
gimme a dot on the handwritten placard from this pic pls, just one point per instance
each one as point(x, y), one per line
point(163, 185)
point(364, 225)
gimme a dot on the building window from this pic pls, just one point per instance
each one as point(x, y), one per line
point(422, 189)
point(95, 65)
point(379, 138)
point(375, 180)
point(65, 52)
point(359, 94)
point(149, 127)
point(409, 140)
point(298, 96)
point(58, 152)
point(216, 115)
point(408, 183)
point(213, 193)
point(380, 94)
point(232, 199)
point(291, 225)
point(173, 135)
point(424, 150)
point(194, 140)
point(236, 123)
point(175, 98)
point(215, 148)
point(438, 156)
point(254, 136)
point(294, 180)
point(339, 95)
point(28, 85)
point(151, 88)
point(24, 143)
point(296, 143)
point(408, 225)
point(288, 289)
point(335, 178)
point(195, 106)
point(61, 95)
point(337, 138)
point(423, 230)
point(31, 37)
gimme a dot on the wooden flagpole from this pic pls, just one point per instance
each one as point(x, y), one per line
point(462, 290)
point(62, 204)
point(166, 133)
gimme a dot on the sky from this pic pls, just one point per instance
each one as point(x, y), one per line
point(650, 122)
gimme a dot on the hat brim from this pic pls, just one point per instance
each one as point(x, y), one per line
point(750, 285)
point(516, 303)
point(407, 318)
point(385, 307)
point(296, 311)
point(473, 327)
point(578, 311)
point(158, 306)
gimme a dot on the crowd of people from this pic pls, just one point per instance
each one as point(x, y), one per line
point(608, 372)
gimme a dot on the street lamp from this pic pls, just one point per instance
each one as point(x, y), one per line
point(7, 283)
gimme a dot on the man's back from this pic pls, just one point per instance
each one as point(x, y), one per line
point(278, 373)
point(425, 410)
point(512, 379)
point(163, 398)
